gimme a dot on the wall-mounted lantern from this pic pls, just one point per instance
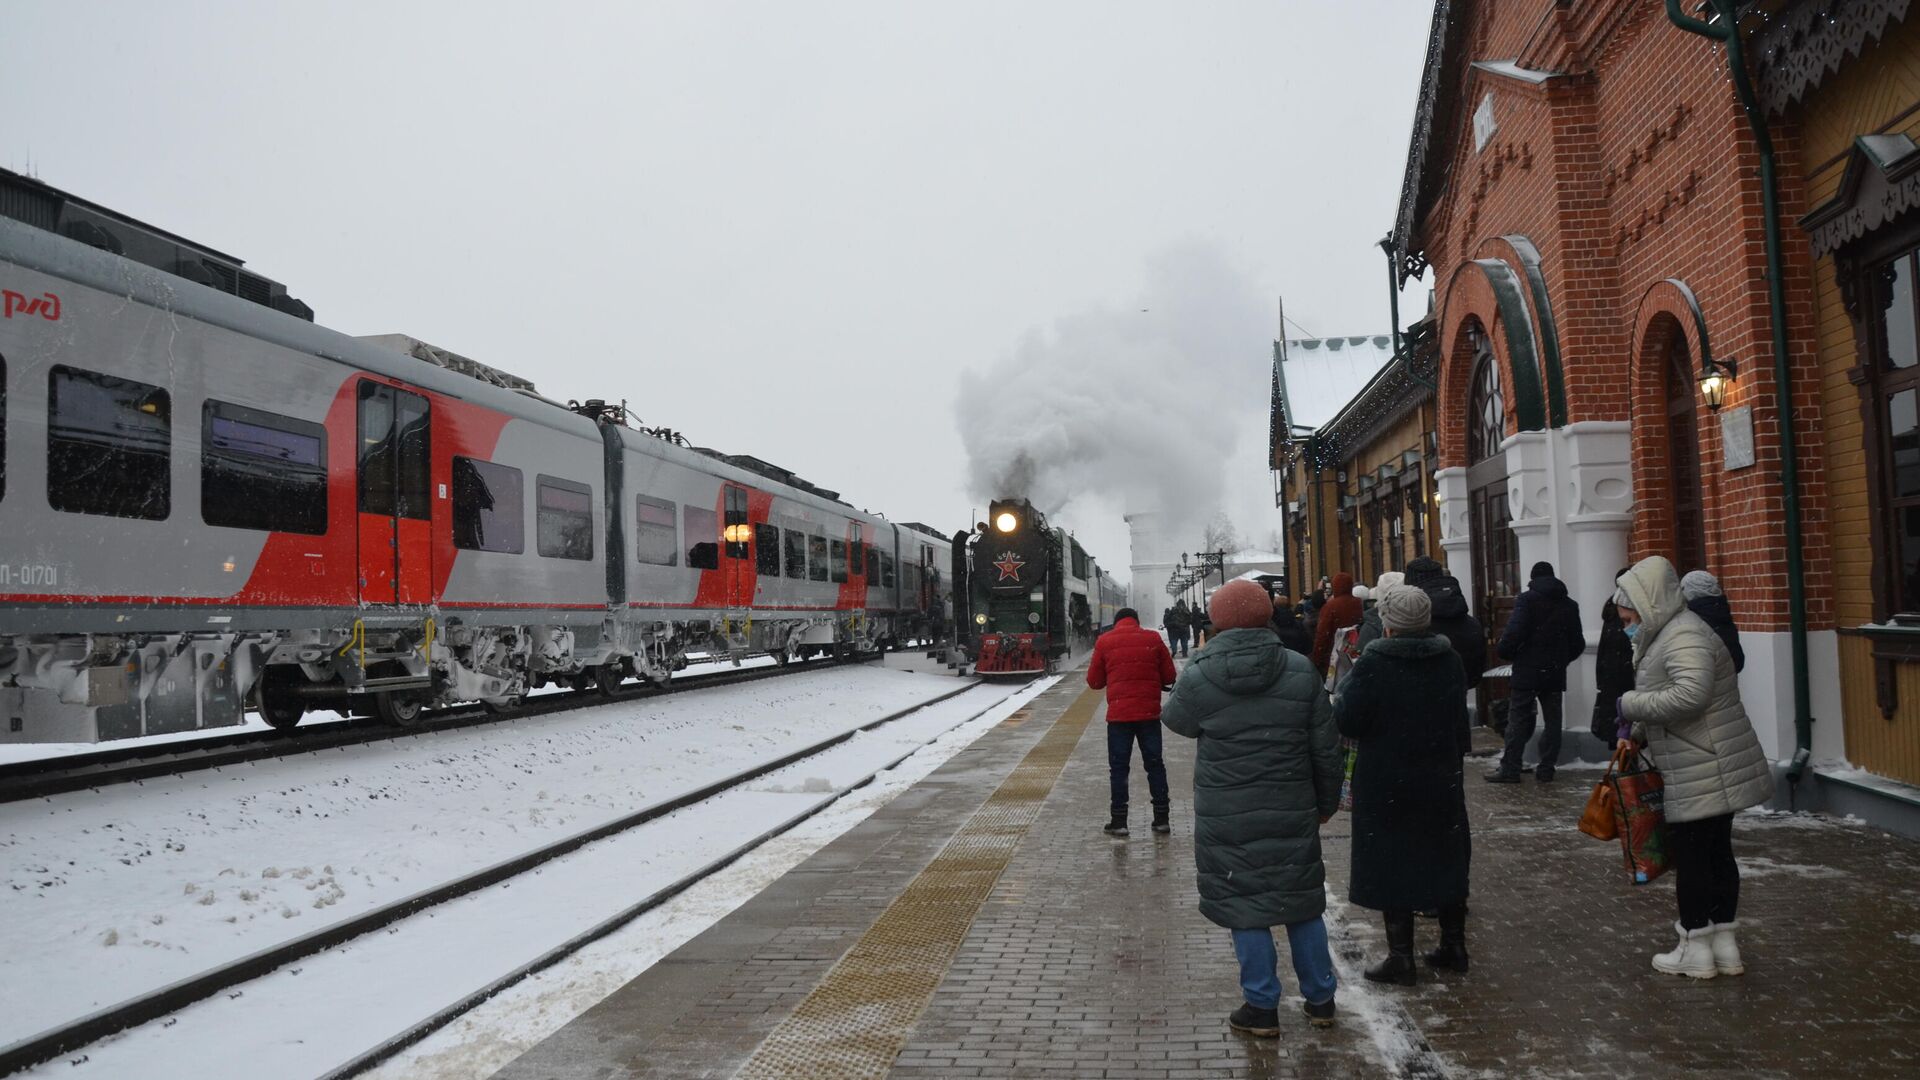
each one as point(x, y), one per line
point(1715, 377)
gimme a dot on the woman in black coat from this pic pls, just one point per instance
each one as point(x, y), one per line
point(1405, 707)
point(1612, 670)
point(1701, 591)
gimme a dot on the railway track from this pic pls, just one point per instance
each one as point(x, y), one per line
point(159, 1003)
point(43, 777)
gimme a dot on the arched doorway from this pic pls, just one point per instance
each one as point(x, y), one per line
point(1496, 551)
point(1687, 502)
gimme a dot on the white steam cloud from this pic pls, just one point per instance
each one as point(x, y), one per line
point(1145, 406)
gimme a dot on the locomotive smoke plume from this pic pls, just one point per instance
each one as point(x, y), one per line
point(1145, 406)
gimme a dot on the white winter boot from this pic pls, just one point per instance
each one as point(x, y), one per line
point(1726, 953)
point(1693, 957)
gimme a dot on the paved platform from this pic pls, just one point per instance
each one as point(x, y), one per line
point(980, 925)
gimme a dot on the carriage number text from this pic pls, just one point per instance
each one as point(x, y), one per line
point(29, 574)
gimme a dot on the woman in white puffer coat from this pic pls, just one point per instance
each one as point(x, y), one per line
point(1685, 708)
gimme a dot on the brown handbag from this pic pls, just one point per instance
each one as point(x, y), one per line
point(1601, 818)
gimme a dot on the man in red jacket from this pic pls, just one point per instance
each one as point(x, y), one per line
point(1133, 666)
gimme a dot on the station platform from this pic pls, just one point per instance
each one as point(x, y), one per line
point(982, 925)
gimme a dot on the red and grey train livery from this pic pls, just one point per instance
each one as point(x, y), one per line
point(208, 502)
point(1025, 592)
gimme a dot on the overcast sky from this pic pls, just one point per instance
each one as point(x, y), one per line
point(784, 228)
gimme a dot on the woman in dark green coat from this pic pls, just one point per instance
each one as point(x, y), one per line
point(1266, 775)
point(1405, 707)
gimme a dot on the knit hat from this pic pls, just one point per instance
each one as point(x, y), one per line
point(1540, 570)
point(1361, 593)
point(1405, 610)
point(1699, 583)
point(1387, 581)
point(1422, 570)
point(1239, 605)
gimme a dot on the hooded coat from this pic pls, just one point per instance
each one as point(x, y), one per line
point(1405, 707)
point(1612, 672)
point(1267, 769)
point(1685, 704)
point(1342, 611)
point(1177, 618)
point(1451, 617)
point(1543, 636)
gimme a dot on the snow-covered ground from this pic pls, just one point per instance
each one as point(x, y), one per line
point(113, 893)
point(323, 1011)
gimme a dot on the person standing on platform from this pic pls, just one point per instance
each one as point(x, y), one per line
point(1342, 611)
point(1612, 668)
point(1370, 622)
point(1293, 636)
point(1200, 625)
point(1178, 622)
point(1405, 708)
point(1704, 598)
point(1452, 619)
point(1685, 709)
point(1266, 776)
point(1542, 637)
point(1133, 665)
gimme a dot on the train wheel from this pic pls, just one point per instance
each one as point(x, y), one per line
point(607, 679)
point(501, 708)
point(279, 706)
point(398, 708)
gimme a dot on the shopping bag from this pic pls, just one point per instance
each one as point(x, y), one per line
point(1349, 751)
point(1638, 793)
point(1600, 819)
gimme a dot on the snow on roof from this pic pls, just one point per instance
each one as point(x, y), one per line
point(1254, 555)
point(1318, 376)
point(1513, 70)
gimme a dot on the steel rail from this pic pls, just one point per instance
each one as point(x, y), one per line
point(43, 777)
point(157, 1003)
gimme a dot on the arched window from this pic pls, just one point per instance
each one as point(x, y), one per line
point(1487, 406)
point(1683, 457)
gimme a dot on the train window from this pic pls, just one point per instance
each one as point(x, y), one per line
point(703, 538)
point(795, 546)
point(873, 564)
point(838, 559)
point(817, 558)
point(260, 470)
point(886, 570)
point(563, 518)
point(489, 513)
point(766, 550)
point(657, 540)
point(109, 445)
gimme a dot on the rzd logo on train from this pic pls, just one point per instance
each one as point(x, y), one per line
point(46, 305)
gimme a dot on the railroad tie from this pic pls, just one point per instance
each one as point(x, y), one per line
point(854, 1023)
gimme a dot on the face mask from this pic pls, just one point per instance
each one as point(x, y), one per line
point(1633, 631)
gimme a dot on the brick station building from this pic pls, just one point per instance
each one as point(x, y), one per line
point(1584, 193)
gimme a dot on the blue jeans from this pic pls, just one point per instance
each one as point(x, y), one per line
point(1120, 739)
point(1260, 965)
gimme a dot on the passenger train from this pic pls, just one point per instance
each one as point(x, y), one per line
point(211, 503)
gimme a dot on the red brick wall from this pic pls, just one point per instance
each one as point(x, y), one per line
point(1637, 167)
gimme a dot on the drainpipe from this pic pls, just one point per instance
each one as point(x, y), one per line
point(1726, 30)
point(1393, 306)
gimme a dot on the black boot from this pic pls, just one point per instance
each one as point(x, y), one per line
point(1160, 823)
point(1118, 826)
point(1255, 1021)
point(1452, 953)
point(1398, 968)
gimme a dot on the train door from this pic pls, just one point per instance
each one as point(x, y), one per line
point(736, 563)
point(395, 496)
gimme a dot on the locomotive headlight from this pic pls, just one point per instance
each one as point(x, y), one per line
point(981, 618)
point(1006, 521)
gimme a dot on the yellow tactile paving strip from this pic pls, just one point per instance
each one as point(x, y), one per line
point(855, 1021)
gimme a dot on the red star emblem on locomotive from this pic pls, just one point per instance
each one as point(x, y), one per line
point(1009, 565)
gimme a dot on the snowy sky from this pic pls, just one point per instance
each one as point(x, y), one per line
point(787, 229)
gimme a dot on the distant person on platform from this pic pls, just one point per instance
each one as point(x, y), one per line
point(1179, 623)
point(1286, 625)
point(1451, 617)
point(1370, 623)
point(1201, 625)
point(1310, 607)
point(1342, 611)
point(1133, 665)
point(1542, 637)
point(1704, 598)
point(1266, 776)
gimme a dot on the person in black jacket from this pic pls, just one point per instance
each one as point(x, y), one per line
point(1451, 618)
point(1702, 592)
point(1293, 636)
point(1542, 637)
point(1612, 670)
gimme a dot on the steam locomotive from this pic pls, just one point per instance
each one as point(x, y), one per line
point(1025, 593)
